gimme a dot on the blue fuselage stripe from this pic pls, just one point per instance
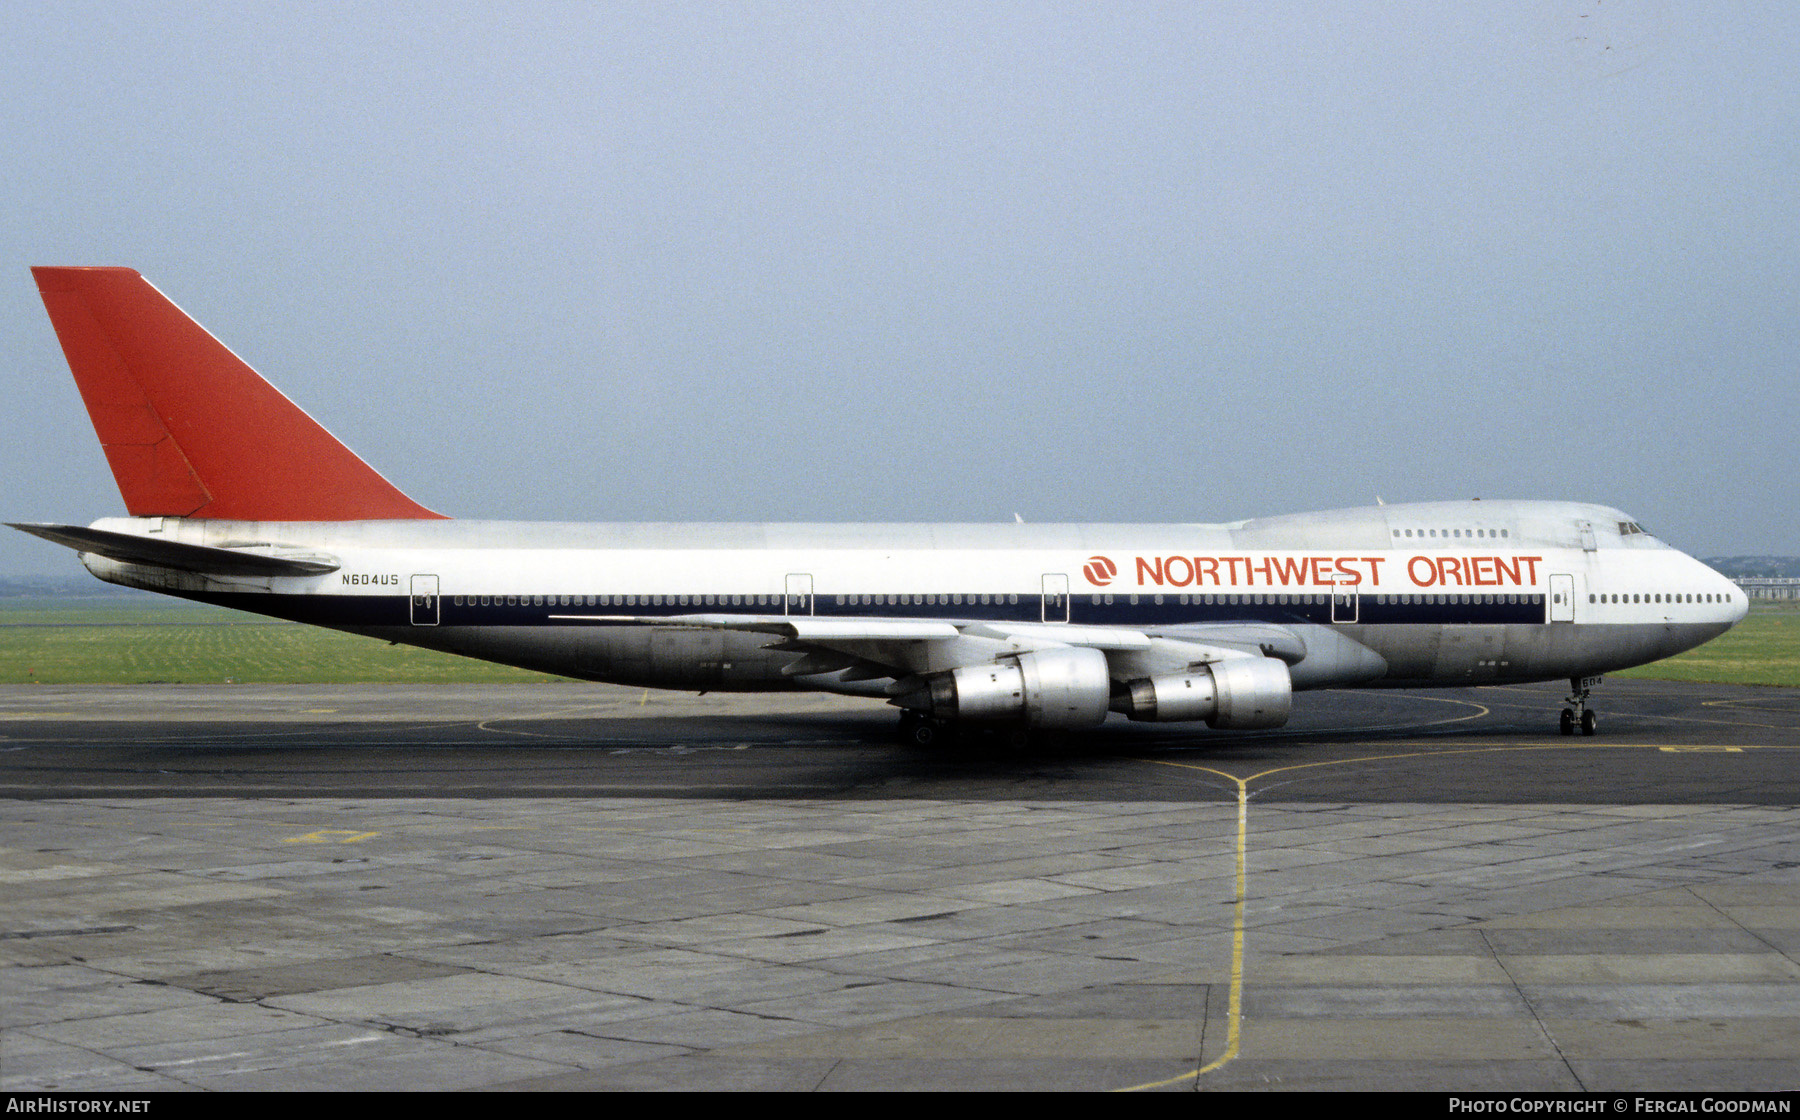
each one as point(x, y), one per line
point(357, 611)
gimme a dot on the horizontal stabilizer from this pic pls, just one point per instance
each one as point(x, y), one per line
point(248, 560)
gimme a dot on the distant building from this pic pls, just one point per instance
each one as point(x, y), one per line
point(1756, 567)
point(1769, 587)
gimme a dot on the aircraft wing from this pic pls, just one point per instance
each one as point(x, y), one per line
point(856, 649)
point(804, 627)
point(1264, 639)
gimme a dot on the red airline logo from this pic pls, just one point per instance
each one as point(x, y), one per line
point(1099, 570)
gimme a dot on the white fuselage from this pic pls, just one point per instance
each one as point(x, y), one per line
point(1442, 593)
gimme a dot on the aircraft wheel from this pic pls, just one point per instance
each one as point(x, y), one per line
point(1568, 721)
point(922, 734)
point(1590, 723)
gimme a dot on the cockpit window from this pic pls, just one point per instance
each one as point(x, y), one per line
point(1629, 528)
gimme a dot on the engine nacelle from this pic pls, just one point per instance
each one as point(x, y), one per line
point(1241, 693)
point(1064, 687)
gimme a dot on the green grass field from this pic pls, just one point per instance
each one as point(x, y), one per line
point(1762, 649)
point(136, 641)
point(108, 640)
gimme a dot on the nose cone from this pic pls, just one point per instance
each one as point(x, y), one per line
point(1733, 604)
point(1739, 604)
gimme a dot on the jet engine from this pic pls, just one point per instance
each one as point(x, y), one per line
point(1065, 687)
point(1238, 693)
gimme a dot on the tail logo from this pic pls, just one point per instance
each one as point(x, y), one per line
point(1099, 570)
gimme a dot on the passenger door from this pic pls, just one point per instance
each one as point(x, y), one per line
point(799, 599)
point(1562, 598)
point(424, 600)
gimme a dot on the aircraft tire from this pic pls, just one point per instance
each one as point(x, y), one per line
point(1590, 723)
point(1567, 724)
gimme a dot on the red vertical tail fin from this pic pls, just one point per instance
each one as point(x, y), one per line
point(190, 430)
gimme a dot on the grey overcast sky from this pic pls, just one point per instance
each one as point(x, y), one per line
point(908, 261)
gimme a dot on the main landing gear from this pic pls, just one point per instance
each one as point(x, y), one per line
point(919, 730)
point(1578, 714)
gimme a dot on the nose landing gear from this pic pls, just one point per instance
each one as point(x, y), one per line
point(1578, 714)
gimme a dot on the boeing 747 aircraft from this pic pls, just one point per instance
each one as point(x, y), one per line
point(237, 497)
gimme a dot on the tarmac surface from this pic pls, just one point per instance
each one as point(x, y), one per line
point(581, 887)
